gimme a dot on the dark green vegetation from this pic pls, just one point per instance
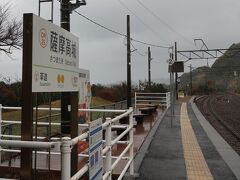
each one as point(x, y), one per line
point(10, 93)
point(118, 92)
point(224, 75)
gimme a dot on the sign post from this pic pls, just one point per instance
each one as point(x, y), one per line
point(84, 102)
point(95, 150)
point(27, 96)
point(50, 64)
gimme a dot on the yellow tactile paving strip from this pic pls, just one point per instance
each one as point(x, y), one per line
point(196, 166)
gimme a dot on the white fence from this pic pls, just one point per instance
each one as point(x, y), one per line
point(67, 144)
point(145, 98)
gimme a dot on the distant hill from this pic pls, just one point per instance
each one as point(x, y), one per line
point(223, 75)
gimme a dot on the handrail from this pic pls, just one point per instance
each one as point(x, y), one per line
point(58, 109)
point(109, 144)
point(65, 144)
point(145, 98)
point(107, 105)
point(28, 144)
point(80, 173)
point(150, 93)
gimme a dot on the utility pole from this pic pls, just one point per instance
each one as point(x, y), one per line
point(129, 100)
point(149, 67)
point(69, 100)
point(190, 79)
point(171, 88)
point(176, 74)
point(65, 96)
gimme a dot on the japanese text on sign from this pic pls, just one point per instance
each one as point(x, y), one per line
point(55, 58)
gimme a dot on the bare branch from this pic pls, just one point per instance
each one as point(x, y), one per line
point(11, 31)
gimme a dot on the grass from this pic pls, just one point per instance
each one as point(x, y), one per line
point(43, 117)
point(97, 101)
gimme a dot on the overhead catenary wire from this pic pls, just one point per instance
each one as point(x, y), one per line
point(163, 22)
point(120, 34)
point(137, 51)
point(98, 24)
point(147, 26)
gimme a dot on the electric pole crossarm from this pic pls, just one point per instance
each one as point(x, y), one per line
point(77, 5)
point(187, 57)
point(206, 54)
point(198, 55)
point(208, 50)
point(211, 55)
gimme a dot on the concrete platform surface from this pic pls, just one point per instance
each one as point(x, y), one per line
point(162, 156)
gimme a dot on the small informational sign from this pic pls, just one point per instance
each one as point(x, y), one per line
point(84, 102)
point(177, 66)
point(95, 150)
point(84, 95)
point(55, 58)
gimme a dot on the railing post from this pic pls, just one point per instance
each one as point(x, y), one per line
point(66, 146)
point(166, 100)
point(108, 137)
point(131, 141)
point(169, 99)
point(104, 115)
point(135, 104)
point(0, 132)
point(114, 108)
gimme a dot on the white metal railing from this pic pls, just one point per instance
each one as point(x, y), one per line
point(145, 98)
point(67, 144)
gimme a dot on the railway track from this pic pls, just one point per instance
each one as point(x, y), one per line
point(221, 110)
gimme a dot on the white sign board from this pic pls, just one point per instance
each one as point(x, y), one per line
point(95, 150)
point(55, 58)
point(85, 95)
point(84, 86)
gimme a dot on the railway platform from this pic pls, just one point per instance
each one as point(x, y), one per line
point(188, 149)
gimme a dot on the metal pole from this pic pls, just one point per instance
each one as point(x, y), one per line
point(131, 141)
point(171, 95)
point(171, 89)
point(176, 74)
point(69, 100)
point(129, 103)
point(65, 96)
point(149, 67)
point(135, 104)
point(190, 79)
point(52, 12)
point(39, 4)
point(27, 96)
point(108, 137)
point(66, 158)
point(0, 132)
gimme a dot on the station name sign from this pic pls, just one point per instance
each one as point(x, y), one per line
point(55, 58)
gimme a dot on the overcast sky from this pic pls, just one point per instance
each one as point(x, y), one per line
point(104, 53)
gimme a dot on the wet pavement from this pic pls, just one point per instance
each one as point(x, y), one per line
point(165, 159)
